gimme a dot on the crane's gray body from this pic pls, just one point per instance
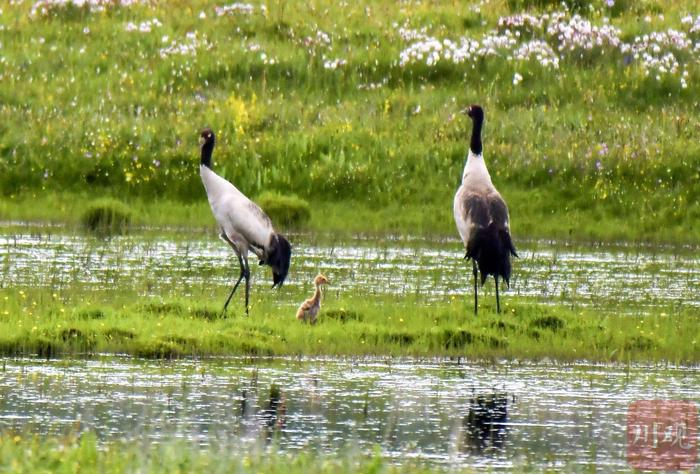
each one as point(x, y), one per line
point(243, 224)
point(481, 215)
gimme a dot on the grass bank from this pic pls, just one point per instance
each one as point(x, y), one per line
point(38, 323)
point(534, 215)
point(591, 125)
point(69, 454)
point(27, 453)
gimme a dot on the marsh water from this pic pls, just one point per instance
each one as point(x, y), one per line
point(547, 272)
point(442, 412)
point(424, 410)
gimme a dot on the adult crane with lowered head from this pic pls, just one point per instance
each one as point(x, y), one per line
point(243, 225)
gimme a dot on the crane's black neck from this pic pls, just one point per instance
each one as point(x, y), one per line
point(475, 143)
point(207, 150)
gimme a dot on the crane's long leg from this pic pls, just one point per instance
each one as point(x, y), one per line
point(476, 299)
point(235, 287)
point(498, 305)
point(247, 283)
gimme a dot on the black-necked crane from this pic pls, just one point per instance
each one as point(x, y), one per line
point(308, 311)
point(244, 226)
point(481, 215)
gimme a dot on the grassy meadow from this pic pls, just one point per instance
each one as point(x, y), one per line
point(591, 130)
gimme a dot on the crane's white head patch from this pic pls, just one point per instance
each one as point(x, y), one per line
point(207, 136)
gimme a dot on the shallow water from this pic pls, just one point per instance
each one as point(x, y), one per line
point(546, 272)
point(574, 415)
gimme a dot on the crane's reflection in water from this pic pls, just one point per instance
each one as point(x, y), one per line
point(486, 425)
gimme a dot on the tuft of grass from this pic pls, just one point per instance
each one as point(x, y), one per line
point(342, 315)
point(287, 210)
point(159, 349)
point(552, 323)
point(159, 308)
point(107, 216)
point(95, 313)
point(118, 334)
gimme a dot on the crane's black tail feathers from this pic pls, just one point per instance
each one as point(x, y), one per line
point(279, 256)
point(491, 247)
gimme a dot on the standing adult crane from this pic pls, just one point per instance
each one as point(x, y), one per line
point(481, 215)
point(244, 226)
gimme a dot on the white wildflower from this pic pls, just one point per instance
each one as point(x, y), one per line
point(334, 63)
point(237, 8)
point(188, 47)
point(46, 7)
point(144, 26)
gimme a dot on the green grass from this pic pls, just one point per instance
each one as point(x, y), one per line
point(106, 216)
point(27, 453)
point(593, 150)
point(288, 211)
point(354, 216)
point(35, 322)
point(70, 454)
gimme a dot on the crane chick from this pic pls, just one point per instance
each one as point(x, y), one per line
point(309, 309)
